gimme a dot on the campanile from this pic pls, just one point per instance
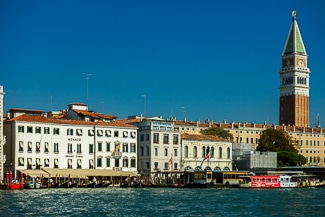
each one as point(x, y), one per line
point(294, 80)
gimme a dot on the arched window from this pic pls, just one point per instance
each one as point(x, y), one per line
point(207, 151)
point(186, 151)
point(207, 168)
point(217, 168)
point(226, 169)
point(188, 168)
point(194, 151)
point(228, 152)
point(203, 151)
point(212, 152)
point(198, 168)
point(220, 152)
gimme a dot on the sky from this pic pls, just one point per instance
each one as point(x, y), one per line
point(216, 60)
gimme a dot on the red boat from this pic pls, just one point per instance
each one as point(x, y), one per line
point(9, 184)
point(266, 181)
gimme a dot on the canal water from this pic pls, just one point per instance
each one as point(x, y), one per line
point(114, 201)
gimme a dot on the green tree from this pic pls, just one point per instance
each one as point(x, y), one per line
point(217, 131)
point(286, 158)
point(280, 142)
point(275, 140)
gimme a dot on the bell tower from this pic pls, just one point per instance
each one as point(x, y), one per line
point(294, 80)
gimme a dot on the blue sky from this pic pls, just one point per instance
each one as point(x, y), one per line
point(216, 60)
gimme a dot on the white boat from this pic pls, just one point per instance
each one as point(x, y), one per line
point(32, 185)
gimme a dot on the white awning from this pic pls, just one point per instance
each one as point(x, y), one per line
point(79, 132)
point(125, 133)
point(91, 162)
point(38, 161)
point(47, 161)
point(56, 162)
point(21, 161)
point(29, 161)
point(79, 162)
point(91, 132)
point(46, 145)
point(38, 145)
point(69, 162)
point(108, 133)
point(21, 144)
point(100, 132)
point(133, 134)
point(30, 145)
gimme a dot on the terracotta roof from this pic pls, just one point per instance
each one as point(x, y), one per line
point(202, 137)
point(94, 115)
point(42, 119)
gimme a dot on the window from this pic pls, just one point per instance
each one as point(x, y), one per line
point(166, 152)
point(156, 165)
point(79, 164)
point(220, 152)
point(125, 147)
point(228, 152)
point(141, 151)
point(175, 152)
point(46, 162)
point(29, 163)
point(125, 162)
point(69, 148)
point(166, 138)
point(46, 147)
point(29, 148)
point(147, 137)
point(56, 131)
point(108, 162)
point(166, 165)
point(91, 132)
point(20, 129)
point(21, 146)
point(91, 164)
point(212, 152)
point(156, 138)
point(38, 130)
point(156, 151)
point(133, 162)
point(91, 148)
point(115, 133)
point(175, 166)
point(100, 146)
point(175, 139)
point(108, 146)
point(56, 147)
point(100, 133)
point(29, 129)
point(133, 148)
point(195, 151)
point(69, 132)
point(203, 152)
point(148, 151)
point(56, 163)
point(108, 133)
point(125, 134)
point(21, 161)
point(78, 148)
point(38, 147)
point(46, 130)
point(141, 137)
point(69, 163)
point(186, 151)
point(99, 162)
point(79, 132)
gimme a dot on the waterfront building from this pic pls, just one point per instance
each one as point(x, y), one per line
point(206, 152)
point(158, 145)
point(256, 161)
point(81, 139)
point(2, 138)
point(294, 80)
point(309, 142)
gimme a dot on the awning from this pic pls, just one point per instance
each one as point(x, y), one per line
point(21, 161)
point(21, 144)
point(108, 133)
point(56, 162)
point(85, 173)
point(34, 173)
point(47, 161)
point(100, 132)
point(38, 161)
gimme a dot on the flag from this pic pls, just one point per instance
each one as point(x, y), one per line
point(170, 162)
point(208, 156)
point(117, 146)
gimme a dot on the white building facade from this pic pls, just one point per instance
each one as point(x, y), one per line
point(36, 142)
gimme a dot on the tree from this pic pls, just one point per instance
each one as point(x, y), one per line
point(286, 158)
point(275, 140)
point(218, 131)
point(280, 142)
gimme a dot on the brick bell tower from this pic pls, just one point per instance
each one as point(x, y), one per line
point(294, 80)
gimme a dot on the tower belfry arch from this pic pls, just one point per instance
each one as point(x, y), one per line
point(294, 80)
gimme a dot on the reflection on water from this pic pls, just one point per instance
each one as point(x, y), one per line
point(163, 202)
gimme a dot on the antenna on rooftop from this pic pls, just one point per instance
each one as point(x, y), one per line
point(318, 122)
point(87, 78)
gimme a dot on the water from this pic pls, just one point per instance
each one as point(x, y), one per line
point(163, 202)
